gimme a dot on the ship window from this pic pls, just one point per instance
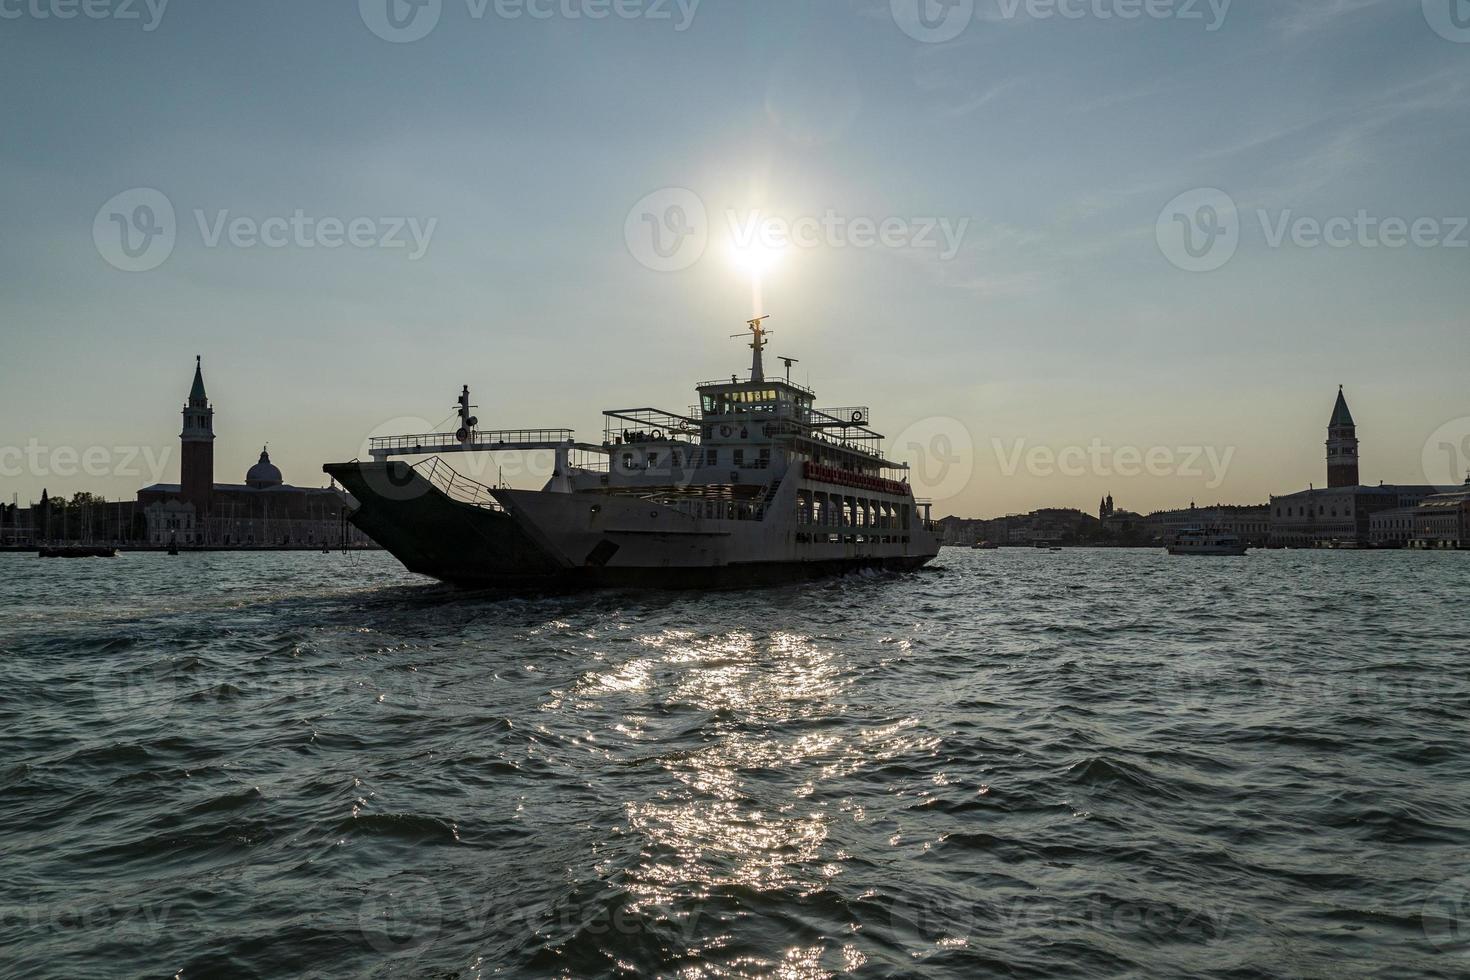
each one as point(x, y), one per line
point(711, 457)
point(739, 457)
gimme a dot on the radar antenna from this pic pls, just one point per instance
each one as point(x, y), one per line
point(788, 361)
point(758, 341)
point(467, 422)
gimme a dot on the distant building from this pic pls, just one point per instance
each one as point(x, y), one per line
point(1341, 515)
point(1342, 445)
point(263, 511)
point(1252, 524)
point(1392, 528)
point(1443, 520)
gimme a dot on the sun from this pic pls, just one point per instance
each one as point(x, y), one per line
point(756, 258)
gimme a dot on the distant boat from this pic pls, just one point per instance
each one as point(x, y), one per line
point(77, 551)
point(1207, 541)
point(985, 546)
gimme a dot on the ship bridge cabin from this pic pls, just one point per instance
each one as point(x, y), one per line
point(730, 456)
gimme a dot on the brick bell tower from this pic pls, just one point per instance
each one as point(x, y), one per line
point(1342, 446)
point(196, 459)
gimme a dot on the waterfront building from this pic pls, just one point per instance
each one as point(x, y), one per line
point(1442, 521)
point(1342, 514)
point(1392, 528)
point(1252, 523)
point(262, 511)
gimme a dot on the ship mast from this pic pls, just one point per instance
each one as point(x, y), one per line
point(758, 340)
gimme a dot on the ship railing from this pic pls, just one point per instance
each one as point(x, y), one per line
point(482, 439)
point(737, 381)
point(455, 485)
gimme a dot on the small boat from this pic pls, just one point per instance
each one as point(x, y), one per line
point(985, 546)
point(77, 551)
point(1207, 541)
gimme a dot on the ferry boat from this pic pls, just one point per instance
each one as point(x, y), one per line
point(753, 486)
point(1207, 541)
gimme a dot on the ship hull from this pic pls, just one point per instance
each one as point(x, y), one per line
point(537, 541)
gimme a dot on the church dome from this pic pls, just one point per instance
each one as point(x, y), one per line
point(263, 474)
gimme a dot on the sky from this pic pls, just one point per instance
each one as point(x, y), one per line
point(1060, 249)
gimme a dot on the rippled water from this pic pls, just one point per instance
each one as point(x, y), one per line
point(1017, 763)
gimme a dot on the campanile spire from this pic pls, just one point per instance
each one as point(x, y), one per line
point(196, 455)
point(1342, 445)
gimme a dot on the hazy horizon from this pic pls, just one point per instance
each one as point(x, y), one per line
point(986, 231)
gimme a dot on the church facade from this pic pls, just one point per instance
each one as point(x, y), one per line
point(262, 511)
point(1343, 513)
